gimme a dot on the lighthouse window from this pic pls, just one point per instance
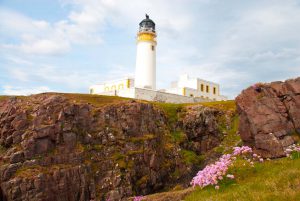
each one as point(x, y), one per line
point(121, 86)
point(202, 87)
point(152, 47)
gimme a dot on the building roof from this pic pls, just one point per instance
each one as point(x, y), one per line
point(147, 24)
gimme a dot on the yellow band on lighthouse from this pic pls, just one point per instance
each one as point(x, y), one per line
point(146, 37)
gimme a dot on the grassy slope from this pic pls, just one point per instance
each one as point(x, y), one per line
point(3, 97)
point(276, 180)
point(97, 100)
point(272, 180)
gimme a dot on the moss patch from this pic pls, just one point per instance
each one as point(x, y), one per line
point(171, 110)
point(178, 136)
point(295, 135)
point(231, 137)
point(2, 149)
point(221, 105)
point(142, 139)
point(33, 171)
point(190, 157)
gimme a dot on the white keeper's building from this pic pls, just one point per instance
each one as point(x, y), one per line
point(185, 90)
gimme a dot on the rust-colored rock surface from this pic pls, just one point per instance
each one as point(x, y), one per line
point(270, 116)
point(56, 148)
point(201, 126)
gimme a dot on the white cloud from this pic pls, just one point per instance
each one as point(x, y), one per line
point(11, 90)
point(53, 75)
point(41, 47)
point(45, 38)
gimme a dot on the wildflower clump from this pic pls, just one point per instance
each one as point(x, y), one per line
point(212, 174)
point(138, 198)
point(293, 151)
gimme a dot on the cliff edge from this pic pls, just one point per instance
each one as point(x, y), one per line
point(82, 147)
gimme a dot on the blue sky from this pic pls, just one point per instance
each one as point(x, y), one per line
point(68, 45)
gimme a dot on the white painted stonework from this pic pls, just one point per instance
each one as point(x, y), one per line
point(145, 72)
point(179, 94)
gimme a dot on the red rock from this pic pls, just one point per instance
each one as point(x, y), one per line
point(267, 118)
point(75, 151)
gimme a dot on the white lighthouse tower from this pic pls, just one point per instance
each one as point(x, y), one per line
point(143, 86)
point(145, 75)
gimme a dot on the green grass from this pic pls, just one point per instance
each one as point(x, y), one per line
point(2, 149)
point(191, 157)
point(231, 139)
point(96, 100)
point(223, 105)
point(171, 110)
point(276, 180)
point(3, 97)
point(178, 136)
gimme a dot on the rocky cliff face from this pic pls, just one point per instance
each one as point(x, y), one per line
point(270, 116)
point(201, 126)
point(56, 148)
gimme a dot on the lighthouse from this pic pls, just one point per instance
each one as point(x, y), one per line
point(145, 74)
point(143, 86)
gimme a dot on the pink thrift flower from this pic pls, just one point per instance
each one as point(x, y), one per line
point(288, 150)
point(138, 198)
point(217, 187)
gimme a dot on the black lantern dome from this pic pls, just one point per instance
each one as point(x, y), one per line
point(147, 25)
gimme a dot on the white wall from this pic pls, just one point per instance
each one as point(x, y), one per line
point(186, 81)
point(188, 86)
point(150, 95)
point(145, 74)
point(112, 86)
point(128, 93)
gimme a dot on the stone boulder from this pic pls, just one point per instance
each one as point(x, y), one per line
point(270, 116)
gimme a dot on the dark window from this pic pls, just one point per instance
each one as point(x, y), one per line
point(152, 47)
point(214, 90)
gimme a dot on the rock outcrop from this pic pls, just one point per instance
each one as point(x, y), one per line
point(201, 126)
point(56, 148)
point(270, 116)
